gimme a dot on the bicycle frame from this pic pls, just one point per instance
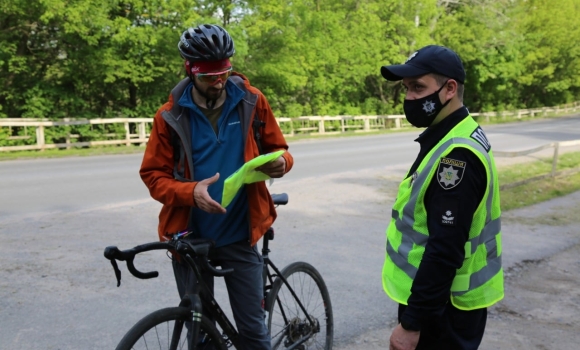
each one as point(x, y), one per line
point(202, 295)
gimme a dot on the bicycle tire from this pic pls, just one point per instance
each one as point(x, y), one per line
point(310, 288)
point(156, 330)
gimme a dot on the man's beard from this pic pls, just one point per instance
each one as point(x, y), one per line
point(211, 93)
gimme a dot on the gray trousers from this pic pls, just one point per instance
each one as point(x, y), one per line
point(245, 290)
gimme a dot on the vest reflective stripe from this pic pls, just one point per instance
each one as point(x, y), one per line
point(473, 275)
point(410, 236)
point(462, 284)
point(487, 236)
point(490, 230)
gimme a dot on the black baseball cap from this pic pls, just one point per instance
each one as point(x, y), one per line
point(429, 59)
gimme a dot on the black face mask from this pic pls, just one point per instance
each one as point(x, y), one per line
point(422, 112)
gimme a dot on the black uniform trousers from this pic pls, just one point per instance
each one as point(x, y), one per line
point(454, 330)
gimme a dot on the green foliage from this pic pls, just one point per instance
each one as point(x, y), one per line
point(539, 191)
point(112, 58)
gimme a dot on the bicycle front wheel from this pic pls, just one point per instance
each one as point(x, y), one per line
point(287, 322)
point(164, 330)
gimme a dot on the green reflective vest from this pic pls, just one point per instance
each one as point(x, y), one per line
point(479, 281)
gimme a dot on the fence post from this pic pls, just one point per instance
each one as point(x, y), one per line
point(40, 137)
point(142, 133)
point(67, 137)
point(367, 124)
point(321, 126)
point(127, 135)
point(555, 160)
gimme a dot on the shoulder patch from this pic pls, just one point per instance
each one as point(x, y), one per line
point(479, 136)
point(450, 172)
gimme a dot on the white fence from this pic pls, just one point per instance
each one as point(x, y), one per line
point(136, 128)
point(39, 126)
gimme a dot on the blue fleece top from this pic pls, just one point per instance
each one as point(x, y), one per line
point(222, 153)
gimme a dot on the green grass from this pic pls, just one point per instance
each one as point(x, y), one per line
point(541, 190)
point(512, 173)
point(74, 152)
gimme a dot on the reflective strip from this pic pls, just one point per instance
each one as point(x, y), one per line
point(400, 260)
point(461, 284)
point(477, 279)
point(490, 230)
point(410, 237)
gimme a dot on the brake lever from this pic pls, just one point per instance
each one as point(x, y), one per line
point(117, 271)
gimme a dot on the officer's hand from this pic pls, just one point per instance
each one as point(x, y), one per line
point(402, 339)
point(202, 198)
point(274, 168)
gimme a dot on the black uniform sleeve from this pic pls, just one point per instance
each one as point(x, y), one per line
point(451, 200)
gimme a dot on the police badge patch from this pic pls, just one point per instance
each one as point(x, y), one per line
point(450, 172)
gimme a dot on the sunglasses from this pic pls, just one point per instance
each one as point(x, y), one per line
point(213, 78)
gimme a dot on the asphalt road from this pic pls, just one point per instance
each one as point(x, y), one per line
point(69, 184)
point(57, 215)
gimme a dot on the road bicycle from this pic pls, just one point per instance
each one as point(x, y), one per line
point(298, 311)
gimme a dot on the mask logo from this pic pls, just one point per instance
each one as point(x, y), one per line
point(423, 111)
point(450, 172)
point(429, 107)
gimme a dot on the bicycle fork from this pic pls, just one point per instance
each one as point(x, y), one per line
point(193, 302)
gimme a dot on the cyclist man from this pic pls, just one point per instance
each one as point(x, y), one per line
point(200, 136)
point(443, 254)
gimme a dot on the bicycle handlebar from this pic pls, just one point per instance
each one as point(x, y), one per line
point(199, 247)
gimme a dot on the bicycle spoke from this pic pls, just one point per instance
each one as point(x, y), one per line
point(167, 336)
point(296, 325)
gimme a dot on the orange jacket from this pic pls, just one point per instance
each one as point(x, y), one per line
point(169, 177)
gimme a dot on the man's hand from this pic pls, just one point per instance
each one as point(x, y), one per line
point(202, 198)
point(402, 339)
point(274, 168)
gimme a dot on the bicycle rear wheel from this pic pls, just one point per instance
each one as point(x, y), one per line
point(287, 321)
point(164, 330)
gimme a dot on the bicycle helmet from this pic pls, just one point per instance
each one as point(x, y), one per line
point(206, 42)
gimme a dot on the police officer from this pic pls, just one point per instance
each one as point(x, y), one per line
point(443, 251)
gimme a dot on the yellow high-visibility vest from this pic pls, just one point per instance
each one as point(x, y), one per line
point(479, 281)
